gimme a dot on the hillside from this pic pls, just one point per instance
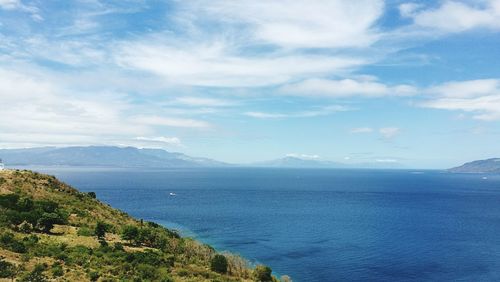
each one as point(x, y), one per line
point(480, 166)
point(102, 156)
point(51, 231)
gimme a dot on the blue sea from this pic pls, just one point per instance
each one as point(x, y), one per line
point(320, 224)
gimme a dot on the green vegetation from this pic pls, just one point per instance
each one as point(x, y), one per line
point(52, 232)
point(7, 269)
point(219, 263)
point(263, 273)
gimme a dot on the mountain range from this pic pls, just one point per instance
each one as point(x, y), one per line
point(131, 157)
point(103, 156)
point(296, 162)
point(479, 166)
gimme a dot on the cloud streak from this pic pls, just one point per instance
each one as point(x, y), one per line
point(322, 111)
point(346, 88)
point(454, 16)
point(284, 24)
point(481, 98)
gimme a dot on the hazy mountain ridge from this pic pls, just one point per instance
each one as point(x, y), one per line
point(131, 157)
point(297, 162)
point(107, 156)
point(480, 166)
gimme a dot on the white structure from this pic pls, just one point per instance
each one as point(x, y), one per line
point(1, 165)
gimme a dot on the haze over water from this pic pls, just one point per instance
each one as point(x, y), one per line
point(323, 225)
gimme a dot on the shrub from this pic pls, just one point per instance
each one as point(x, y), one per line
point(218, 263)
point(130, 233)
point(118, 246)
point(8, 241)
point(94, 276)
point(9, 201)
point(146, 271)
point(47, 206)
point(36, 275)
point(183, 272)
point(100, 230)
point(25, 227)
point(7, 269)
point(92, 195)
point(57, 270)
point(85, 231)
point(47, 220)
point(262, 273)
point(25, 204)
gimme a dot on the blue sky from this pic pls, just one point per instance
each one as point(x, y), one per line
point(369, 81)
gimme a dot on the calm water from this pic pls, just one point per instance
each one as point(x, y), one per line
point(323, 225)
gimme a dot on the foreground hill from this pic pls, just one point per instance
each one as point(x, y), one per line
point(480, 166)
point(107, 156)
point(50, 231)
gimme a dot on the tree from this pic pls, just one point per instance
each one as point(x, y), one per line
point(92, 194)
point(25, 204)
point(7, 269)
point(219, 264)
point(130, 233)
point(263, 273)
point(47, 220)
point(36, 275)
point(47, 206)
point(100, 230)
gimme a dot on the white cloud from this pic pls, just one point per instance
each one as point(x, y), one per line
point(386, 160)
point(264, 115)
point(409, 9)
point(18, 5)
point(161, 139)
point(38, 109)
point(322, 111)
point(201, 101)
point(297, 23)
point(170, 122)
point(10, 4)
point(466, 89)
point(346, 88)
point(256, 43)
point(479, 97)
point(385, 132)
point(217, 64)
point(389, 132)
point(362, 130)
point(303, 156)
point(455, 16)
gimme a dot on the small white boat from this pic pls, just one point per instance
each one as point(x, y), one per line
point(485, 177)
point(172, 194)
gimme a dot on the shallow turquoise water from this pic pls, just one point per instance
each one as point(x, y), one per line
point(323, 225)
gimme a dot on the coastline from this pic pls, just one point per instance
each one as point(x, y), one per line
point(68, 198)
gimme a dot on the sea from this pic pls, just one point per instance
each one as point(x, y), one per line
point(321, 224)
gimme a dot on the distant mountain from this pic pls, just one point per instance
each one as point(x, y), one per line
point(295, 162)
point(298, 162)
point(481, 166)
point(105, 156)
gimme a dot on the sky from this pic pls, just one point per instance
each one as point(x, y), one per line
point(415, 83)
